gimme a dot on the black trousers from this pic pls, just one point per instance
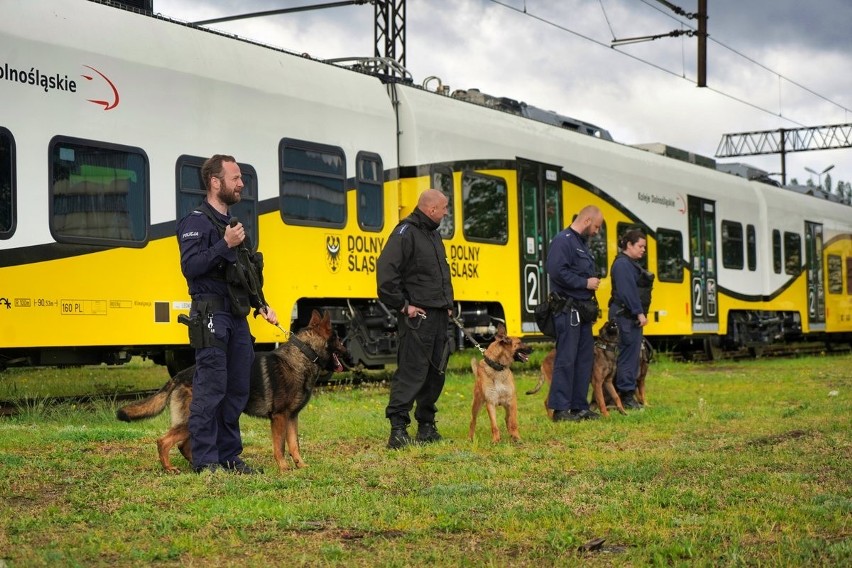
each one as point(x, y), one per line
point(421, 359)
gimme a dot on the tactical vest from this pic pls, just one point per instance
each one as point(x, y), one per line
point(243, 277)
point(644, 285)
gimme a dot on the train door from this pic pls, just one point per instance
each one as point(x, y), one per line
point(540, 210)
point(813, 260)
point(702, 252)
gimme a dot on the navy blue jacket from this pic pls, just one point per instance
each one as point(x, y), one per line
point(570, 264)
point(204, 253)
point(625, 292)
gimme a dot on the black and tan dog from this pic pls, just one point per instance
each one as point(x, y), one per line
point(603, 372)
point(494, 383)
point(281, 385)
point(646, 355)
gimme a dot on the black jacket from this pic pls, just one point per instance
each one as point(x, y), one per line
point(412, 267)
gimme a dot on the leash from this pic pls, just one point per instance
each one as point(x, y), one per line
point(490, 362)
point(456, 321)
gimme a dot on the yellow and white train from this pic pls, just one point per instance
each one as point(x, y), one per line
point(108, 113)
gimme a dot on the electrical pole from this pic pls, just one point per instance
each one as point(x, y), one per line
point(702, 43)
point(390, 31)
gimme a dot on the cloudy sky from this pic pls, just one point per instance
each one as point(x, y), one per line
point(771, 63)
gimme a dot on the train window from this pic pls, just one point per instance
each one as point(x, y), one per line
point(7, 184)
point(99, 193)
point(442, 178)
point(776, 251)
point(598, 246)
point(620, 230)
point(669, 255)
point(835, 274)
point(485, 208)
point(313, 180)
point(732, 245)
point(849, 275)
point(191, 192)
point(369, 185)
point(792, 253)
point(751, 247)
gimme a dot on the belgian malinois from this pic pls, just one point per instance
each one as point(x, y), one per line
point(603, 372)
point(495, 384)
point(281, 385)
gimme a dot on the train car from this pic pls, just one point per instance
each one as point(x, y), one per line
point(108, 114)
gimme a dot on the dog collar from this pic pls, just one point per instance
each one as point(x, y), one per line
point(494, 364)
point(308, 352)
point(606, 346)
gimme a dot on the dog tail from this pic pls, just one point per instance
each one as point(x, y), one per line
point(152, 405)
point(537, 387)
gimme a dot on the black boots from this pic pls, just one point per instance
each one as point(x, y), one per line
point(427, 433)
point(399, 438)
point(629, 402)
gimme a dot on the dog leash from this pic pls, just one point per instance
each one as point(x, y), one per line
point(456, 321)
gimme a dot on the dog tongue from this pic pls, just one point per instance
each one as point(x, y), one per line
point(337, 365)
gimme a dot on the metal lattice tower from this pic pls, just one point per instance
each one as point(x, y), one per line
point(784, 141)
point(390, 31)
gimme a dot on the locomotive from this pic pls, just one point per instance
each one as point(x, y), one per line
point(109, 113)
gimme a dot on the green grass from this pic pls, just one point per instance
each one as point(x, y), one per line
point(734, 464)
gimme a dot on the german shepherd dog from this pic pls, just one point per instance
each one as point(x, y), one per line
point(281, 385)
point(494, 383)
point(603, 372)
point(646, 355)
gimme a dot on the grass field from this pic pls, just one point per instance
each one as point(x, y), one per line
point(733, 464)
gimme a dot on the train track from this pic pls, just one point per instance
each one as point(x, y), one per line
point(763, 351)
point(356, 378)
point(22, 405)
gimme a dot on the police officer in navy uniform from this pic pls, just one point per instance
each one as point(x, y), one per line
point(628, 306)
point(572, 272)
point(413, 280)
point(213, 248)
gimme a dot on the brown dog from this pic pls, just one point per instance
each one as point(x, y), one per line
point(281, 385)
point(603, 372)
point(495, 384)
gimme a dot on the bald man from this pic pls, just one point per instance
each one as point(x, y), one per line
point(573, 275)
point(413, 281)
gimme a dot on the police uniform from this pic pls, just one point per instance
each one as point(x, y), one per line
point(220, 386)
point(569, 265)
point(412, 269)
point(631, 296)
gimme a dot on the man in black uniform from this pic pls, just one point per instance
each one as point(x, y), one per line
point(413, 280)
point(224, 279)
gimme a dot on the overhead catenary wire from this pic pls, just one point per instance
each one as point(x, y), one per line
point(779, 114)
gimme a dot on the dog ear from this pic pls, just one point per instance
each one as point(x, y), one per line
point(315, 319)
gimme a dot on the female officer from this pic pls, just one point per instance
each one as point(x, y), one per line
point(631, 299)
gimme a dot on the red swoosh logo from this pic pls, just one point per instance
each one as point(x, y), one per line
point(106, 104)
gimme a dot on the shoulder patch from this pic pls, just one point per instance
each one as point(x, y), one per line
point(190, 235)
